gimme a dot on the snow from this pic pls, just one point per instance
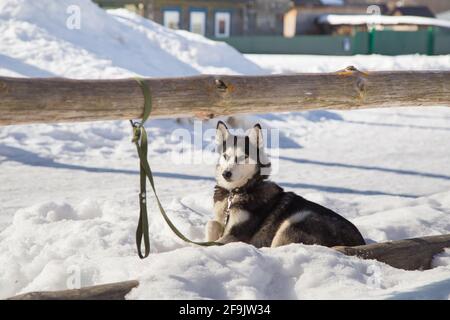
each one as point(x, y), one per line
point(311, 63)
point(68, 192)
point(332, 2)
point(344, 19)
point(444, 15)
point(35, 42)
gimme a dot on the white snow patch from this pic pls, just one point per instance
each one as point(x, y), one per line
point(309, 63)
point(442, 260)
point(347, 19)
point(68, 192)
point(35, 42)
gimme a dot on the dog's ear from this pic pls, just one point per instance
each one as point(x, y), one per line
point(255, 135)
point(222, 133)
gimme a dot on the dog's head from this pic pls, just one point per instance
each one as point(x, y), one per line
point(241, 157)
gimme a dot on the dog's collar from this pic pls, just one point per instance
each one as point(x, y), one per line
point(237, 190)
point(232, 193)
point(249, 185)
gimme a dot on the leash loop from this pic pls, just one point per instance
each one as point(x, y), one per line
point(140, 139)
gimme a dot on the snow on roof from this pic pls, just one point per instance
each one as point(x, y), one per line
point(332, 2)
point(444, 15)
point(319, 2)
point(335, 19)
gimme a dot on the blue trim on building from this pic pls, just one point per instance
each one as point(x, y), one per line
point(201, 9)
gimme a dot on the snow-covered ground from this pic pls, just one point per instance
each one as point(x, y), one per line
point(309, 63)
point(68, 192)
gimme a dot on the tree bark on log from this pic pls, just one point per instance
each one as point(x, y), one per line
point(50, 100)
point(111, 291)
point(410, 254)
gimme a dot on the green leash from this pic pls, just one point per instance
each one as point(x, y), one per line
point(140, 139)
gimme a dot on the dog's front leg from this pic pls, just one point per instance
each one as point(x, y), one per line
point(239, 227)
point(214, 229)
point(228, 238)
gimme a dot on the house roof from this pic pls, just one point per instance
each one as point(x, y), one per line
point(335, 19)
point(421, 11)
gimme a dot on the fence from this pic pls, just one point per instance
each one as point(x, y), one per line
point(332, 45)
point(431, 42)
point(24, 100)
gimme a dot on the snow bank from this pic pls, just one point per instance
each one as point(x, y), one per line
point(310, 63)
point(204, 55)
point(35, 41)
point(346, 19)
point(49, 245)
point(290, 272)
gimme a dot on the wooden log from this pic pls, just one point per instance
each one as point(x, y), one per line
point(25, 100)
point(409, 254)
point(111, 291)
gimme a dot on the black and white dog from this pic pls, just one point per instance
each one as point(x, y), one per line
point(250, 209)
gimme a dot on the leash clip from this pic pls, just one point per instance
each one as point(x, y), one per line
point(227, 210)
point(137, 126)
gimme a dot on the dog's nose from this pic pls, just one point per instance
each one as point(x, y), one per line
point(227, 175)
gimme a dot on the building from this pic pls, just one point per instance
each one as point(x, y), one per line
point(266, 17)
point(350, 24)
point(212, 18)
point(302, 17)
point(307, 16)
point(436, 6)
point(288, 18)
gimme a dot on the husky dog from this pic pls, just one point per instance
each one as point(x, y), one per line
point(250, 209)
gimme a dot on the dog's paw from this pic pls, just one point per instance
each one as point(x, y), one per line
point(227, 239)
point(214, 230)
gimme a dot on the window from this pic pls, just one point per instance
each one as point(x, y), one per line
point(171, 19)
point(222, 24)
point(197, 22)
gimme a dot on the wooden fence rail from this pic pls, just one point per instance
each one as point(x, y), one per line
point(48, 100)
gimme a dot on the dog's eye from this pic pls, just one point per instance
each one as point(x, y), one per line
point(242, 159)
point(225, 156)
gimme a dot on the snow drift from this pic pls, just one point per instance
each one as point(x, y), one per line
point(49, 244)
point(35, 41)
